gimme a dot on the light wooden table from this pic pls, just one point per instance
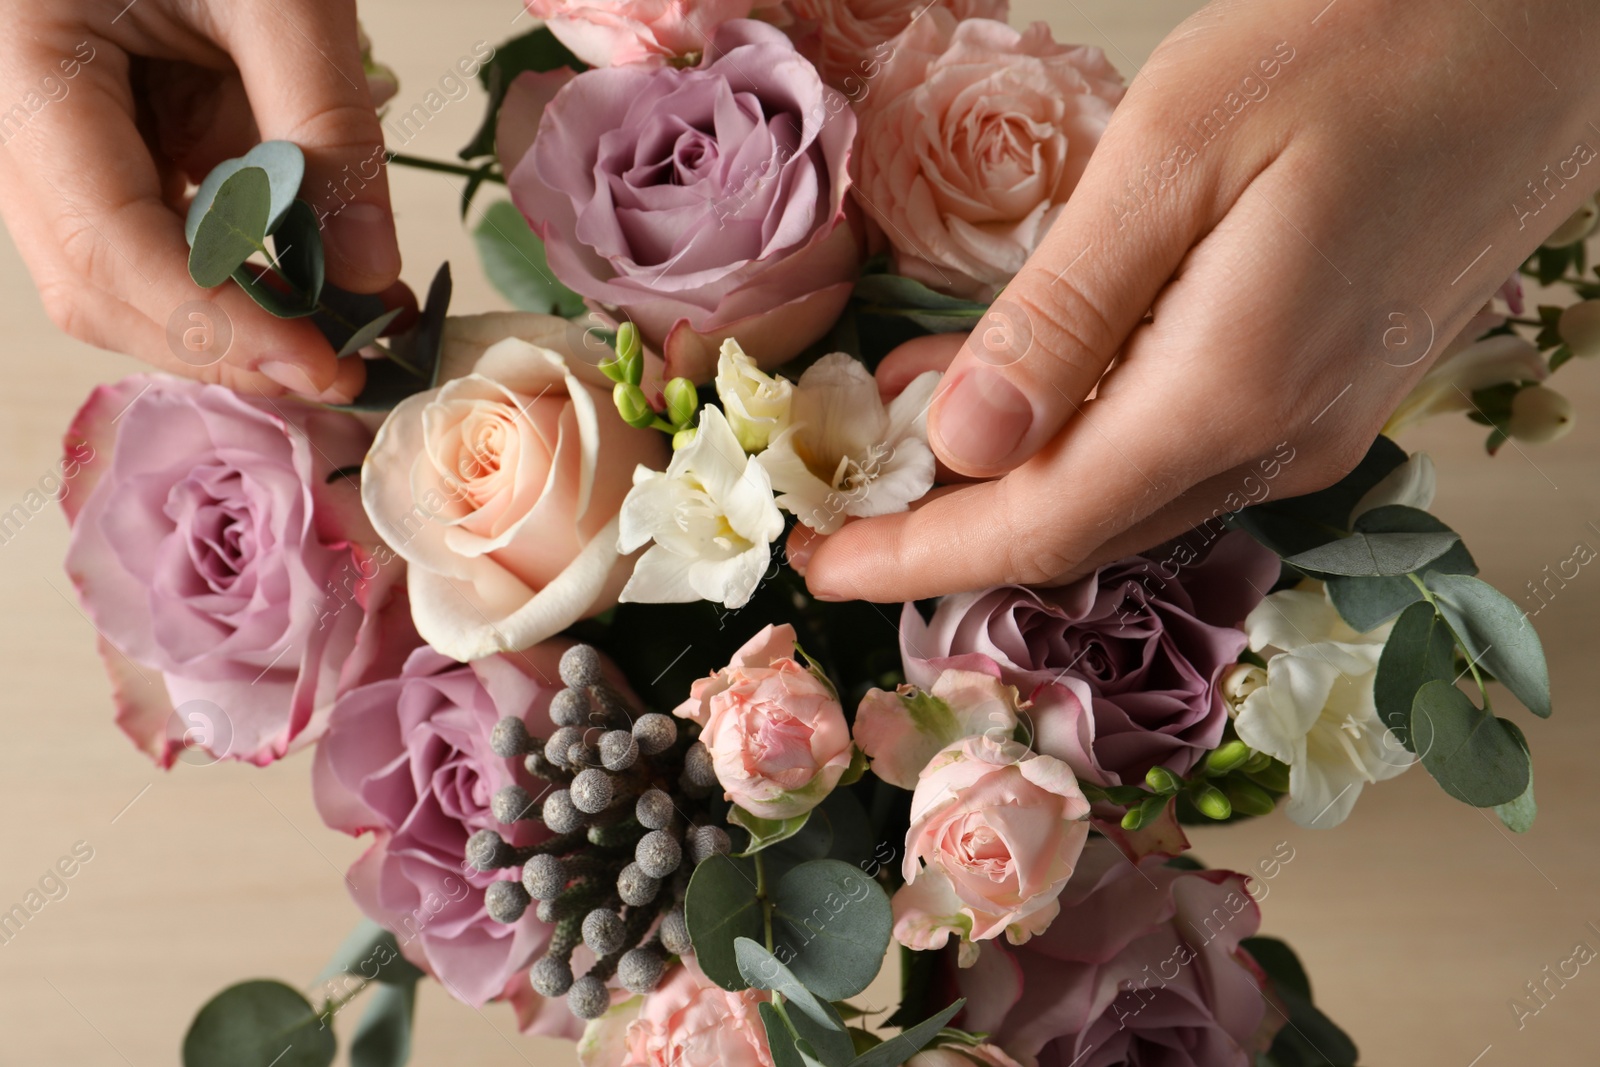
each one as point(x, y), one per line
point(1419, 918)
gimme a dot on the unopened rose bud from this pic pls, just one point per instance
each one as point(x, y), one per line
point(1539, 415)
point(1579, 327)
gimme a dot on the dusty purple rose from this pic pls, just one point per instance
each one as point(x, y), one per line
point(240, 590)
point(700, 203)
point(1141, 969)
point(1122, 665)
point(408, 760)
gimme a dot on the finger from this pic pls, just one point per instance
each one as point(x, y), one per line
point(199, 117)
point(88, 229)
point(300, 61)
point(934, 352)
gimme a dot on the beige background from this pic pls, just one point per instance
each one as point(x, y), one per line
point(1419, 918)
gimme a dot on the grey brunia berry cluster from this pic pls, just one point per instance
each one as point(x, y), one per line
point(626, 807)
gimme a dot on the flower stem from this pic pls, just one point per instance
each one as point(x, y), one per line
point(483, 173)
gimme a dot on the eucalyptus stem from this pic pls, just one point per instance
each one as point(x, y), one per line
point(443, 167)
point(1472, 664)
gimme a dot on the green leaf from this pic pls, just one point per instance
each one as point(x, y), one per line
point(369, 333)
point(1419, 650)
point(256, 1024)
point(1467, 750)
point(514, 259)
point(285, 167)
point(1375, 555)
point(907, 1043)
point(836, 923)
point(1297, 524)
point(1495, 632)
point(370, 952)
point(1365, 603)
point(271, 291)
point(383, 1036)
point(343, 312)
point(536, 50)
point(720, 907)
point(1518, 814)
point(766, 832)
point(1308, 1038)
point(780, 1039)
point(233, 230)
point(297, 243)
point(894, 295)
point(812, 1020)
point(419, 347)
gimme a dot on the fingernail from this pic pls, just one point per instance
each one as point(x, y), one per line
point(800, 550)
point(291, 376)
point(982, 419)
point(362, 236)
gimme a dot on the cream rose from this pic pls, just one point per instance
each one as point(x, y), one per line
point(501, 487)
point(971, 141)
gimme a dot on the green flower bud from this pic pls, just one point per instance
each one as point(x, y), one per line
point(1212, 803)
point(632, 405)
point(1229, 756)
point(1163, 781)
point(682, 439)
point(630, 353)
point(1539, 415)
point(1248, 798)
point(682, 401)
point(1274, 777)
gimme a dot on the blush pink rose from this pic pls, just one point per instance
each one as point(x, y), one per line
point(701, 203)
point(995, 833)
point(687, 1022)
point(610, 33)
point(775, 730)
point(849, 40)
point(408, 760)
point(902, 731)
point(960, 1054)
point(502, 487)
point(972, 138)
point(1141, 969)
point(227, 577)
point(1122, 667)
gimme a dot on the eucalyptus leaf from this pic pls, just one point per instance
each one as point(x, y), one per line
point(343, 312)
point(285, 167)
point(369, 952)
point(514, 259)
point(780, 1039)
point(1466, 749)
point(1495, 632)
point(1296, 524)
point(297, 245)
point(369, 333)
point(419, 347)
point(720, 907)
point(765, 833)
point(1518, 814)
point(1375, 554)
point(1419, 650)
point(271, 291)
point(259, 1023)
point(1308, 1038)
point(1366, 603)
point(895, 295)
point(907, 1043)
point(836, 923)
point(535, 50)
point(383, 1036)
point(234, 229)
point(812, 1020)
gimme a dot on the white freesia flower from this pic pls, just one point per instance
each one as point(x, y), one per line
point(845, 453)
point(711, 516)
point(1316, 710)
point(756, 403)
point(1450, 384)
point(1412, 484)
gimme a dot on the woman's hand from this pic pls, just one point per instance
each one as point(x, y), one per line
point(108, 108)
point(1296, 206)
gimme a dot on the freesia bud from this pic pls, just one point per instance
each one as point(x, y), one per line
point(632, 405)
point(757, 404)
point(1231, 755)
point(682, 401)
point(1212, 802)
point(1162, 780)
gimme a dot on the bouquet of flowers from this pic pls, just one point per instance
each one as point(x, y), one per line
point(525, 602)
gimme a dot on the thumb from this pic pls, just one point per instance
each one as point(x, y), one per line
point(1037, 353)
point(300, 61)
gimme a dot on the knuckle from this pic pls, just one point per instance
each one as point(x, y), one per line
point(1068, 330)
point(64, 304)
point(1032, 550)
point(339, 128)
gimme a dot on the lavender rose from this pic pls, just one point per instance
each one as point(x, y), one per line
point(972, 138)
point(1141, 969)
point(1122, 666)
point(699, 203)
point(229, 577)
point(408, 760)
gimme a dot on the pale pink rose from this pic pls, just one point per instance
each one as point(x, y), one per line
point(238, 591)
point(849, 40)
point(960, 1054)
point(972, 138)
point(501, 488)
point(775, 730)
point(995, 833)
point(687, 1022)
point(903, 730)
point(609, 33)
